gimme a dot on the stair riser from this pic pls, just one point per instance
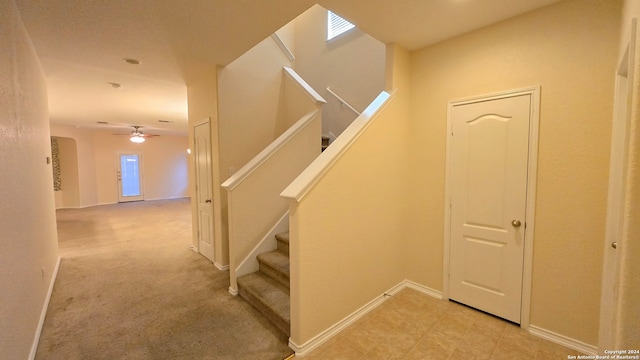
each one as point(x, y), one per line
point(275, 274)
point(279, 322)
point(283, 246)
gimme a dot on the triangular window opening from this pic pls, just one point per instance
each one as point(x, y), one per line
point(337, 25)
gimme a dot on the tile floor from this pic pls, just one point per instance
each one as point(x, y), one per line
point(412, 325)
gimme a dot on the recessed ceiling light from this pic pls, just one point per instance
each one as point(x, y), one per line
point(114, 85)
point(132, 61)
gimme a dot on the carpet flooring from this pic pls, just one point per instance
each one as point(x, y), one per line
point(129, 287)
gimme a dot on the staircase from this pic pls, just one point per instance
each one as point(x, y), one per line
point(268, 288)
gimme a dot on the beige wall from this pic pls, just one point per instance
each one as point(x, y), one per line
point(570, 49)
point(164, 165)
point(28, 244)
point(349, 233)
point(248, 104)
point(628, 329)
point(351, 64)
point(202, 96)
point(86, 193)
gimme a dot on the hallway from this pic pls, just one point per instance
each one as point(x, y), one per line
point(129, 287)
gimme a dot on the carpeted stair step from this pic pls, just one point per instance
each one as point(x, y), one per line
point(283, 242)
point(266, 295)
point(275, 264)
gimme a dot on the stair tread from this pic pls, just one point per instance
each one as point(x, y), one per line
point(284, 237)
point(265, 290)
point(277, 260)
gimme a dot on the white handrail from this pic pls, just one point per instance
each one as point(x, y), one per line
point(283, 47)
point(312, 94)
point(343, 101)
point(265, 154)
point(312, 174)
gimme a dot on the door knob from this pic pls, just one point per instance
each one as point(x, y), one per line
point(614, 244)
point(516, 223)
point(208, 201)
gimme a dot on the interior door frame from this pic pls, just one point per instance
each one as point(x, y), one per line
point(616, 192)
point(196, 240)
point(119, 153)
point(534, 121)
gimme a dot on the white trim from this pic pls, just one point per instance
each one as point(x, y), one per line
point(285, 49)
point(616, 191)
point(220, 266)
point(563, 340)
point(265, 154)
point(312, 174)
point(423, 289)
point(306, 348)
point(268, 243)
point(534, 92)
point(342, 101)
point(43, 313)
point(308, 90)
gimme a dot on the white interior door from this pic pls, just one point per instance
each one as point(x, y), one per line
point(204, 189)
point(617, 194)
point(129, 175)
point(488, 198)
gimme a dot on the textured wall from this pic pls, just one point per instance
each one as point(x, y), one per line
point(570, 50)
point(28, 241)
point(352, 64)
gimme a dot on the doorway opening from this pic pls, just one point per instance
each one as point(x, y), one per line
point(130, 177)
point(489, 212)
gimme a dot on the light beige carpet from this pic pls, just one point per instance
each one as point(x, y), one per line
point(129, 287)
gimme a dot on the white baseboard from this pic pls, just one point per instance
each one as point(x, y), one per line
point(43, 313)
point(304, 349)
point(563, 340)
point(423, 289)
point(220, 266)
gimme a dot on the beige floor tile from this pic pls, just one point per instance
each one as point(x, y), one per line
point(451, 327)
point(335, 350)
point(434, 346)
point(490, 325)
point(516, 344)
point(394, 346)
point(366, 334)
point(550, 351)
point(412, 326)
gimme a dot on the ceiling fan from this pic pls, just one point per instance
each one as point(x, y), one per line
point(137, 136)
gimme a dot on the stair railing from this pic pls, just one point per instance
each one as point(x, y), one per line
point(343, 102)
point(255, 207)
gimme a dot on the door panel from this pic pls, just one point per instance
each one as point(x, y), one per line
point(204, 189)
point(489, 160)
point(129, 177)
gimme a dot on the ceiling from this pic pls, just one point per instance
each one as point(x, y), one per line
point(82, 45)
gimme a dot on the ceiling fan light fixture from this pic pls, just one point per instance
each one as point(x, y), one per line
point(136, 139)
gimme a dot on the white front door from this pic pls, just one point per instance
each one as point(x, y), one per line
point(129, 175)
point(204, 189)
point(488, 198)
